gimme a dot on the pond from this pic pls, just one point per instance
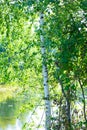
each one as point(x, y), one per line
point(11, 117)
point(9, 111)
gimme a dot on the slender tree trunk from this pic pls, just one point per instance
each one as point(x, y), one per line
point(84, 104)
point(66, 96)
point(68, 112)
point(45, 77)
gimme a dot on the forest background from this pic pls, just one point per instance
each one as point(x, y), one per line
point(43, 52)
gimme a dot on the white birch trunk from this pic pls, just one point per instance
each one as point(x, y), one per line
point(45, 77)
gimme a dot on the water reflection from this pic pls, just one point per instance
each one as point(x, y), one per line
point(10, 109)
point(8, 115)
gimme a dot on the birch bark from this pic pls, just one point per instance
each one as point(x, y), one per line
point(45, 77)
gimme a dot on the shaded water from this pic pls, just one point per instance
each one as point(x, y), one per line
point(12, 111)
point(9, 111)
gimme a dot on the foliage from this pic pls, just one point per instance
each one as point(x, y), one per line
point(65, 38)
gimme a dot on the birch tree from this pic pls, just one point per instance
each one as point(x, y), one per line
point(45, 76)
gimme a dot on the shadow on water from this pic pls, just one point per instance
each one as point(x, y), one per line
point(9, 111)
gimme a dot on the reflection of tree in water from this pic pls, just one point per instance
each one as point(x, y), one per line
point(7, 108)
point(8, 112)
